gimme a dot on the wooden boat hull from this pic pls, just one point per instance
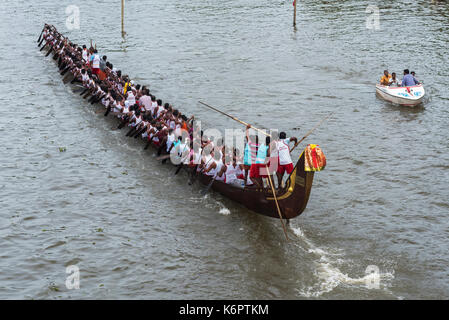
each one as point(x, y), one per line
point(292, 199)
point(404, 96)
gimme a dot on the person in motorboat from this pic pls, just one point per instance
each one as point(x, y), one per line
point(385, 80)
point(414, 76)
point(408, 80)
point(394, 82)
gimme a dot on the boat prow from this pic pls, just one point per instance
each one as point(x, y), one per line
point(404, 96)
point(292, 199)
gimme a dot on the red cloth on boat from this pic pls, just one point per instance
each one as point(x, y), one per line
point(254, 171)
point(101, 75)
point(285, 168)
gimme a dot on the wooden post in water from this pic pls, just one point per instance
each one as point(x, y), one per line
point(294, 13)
point(123, 18)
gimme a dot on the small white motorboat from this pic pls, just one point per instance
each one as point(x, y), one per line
point(404, 96)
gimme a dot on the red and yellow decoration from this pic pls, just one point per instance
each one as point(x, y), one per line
point(314, 158)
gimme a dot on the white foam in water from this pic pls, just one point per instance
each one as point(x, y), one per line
point(328, 274)
point(224, 211)
point(298, 232)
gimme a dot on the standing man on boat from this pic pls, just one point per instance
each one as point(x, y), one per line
point(103, 63)
point(250, 152)
point(258, 169)
point(95, 62)
point(285, 164)
point(408, 80)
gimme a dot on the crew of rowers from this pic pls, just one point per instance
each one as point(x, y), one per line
point(409, 79)
point(166, 127)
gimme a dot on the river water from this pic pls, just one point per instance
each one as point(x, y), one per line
point(135, 230)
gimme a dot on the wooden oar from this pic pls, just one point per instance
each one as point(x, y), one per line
point(148, 143)
point(63, 72)
point(67, 77)
point(192, 174)
point(108, 109)
point(84, 91)
point(130, 131)
point(181, 163)
point(276, 200)
point(208, 186)
point(165, 156)
point(39, 40)
point(87, 94)
point(75, 80)
point(234, 118)
point(313, 129)
point(98, 99)
point(199, 172)
point(179, 168)
point(49, 51)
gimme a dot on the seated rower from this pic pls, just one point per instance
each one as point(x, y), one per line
point(130, 97)
point(233, 172)
point(195, 152)
point(385, 80)
point(169, 140)
point(206, 157)
point(183, 150)
point(160, 132)
point(145, 100)
point(214, 168)
point(150, 131)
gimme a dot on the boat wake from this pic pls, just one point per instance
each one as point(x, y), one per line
point(328, 274)
point(212, 204)
point(224, 211)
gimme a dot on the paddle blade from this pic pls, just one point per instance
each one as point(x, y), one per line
point(107, 111)
point(67, 78)
point(179, 169)
point(208, 187)
point(164, 157)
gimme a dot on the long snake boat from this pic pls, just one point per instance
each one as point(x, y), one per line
point(287, 202)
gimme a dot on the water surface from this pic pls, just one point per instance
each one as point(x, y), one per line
point(137, 231)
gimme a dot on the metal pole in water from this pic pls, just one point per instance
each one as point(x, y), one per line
point(123, 18)
point(294, 13)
